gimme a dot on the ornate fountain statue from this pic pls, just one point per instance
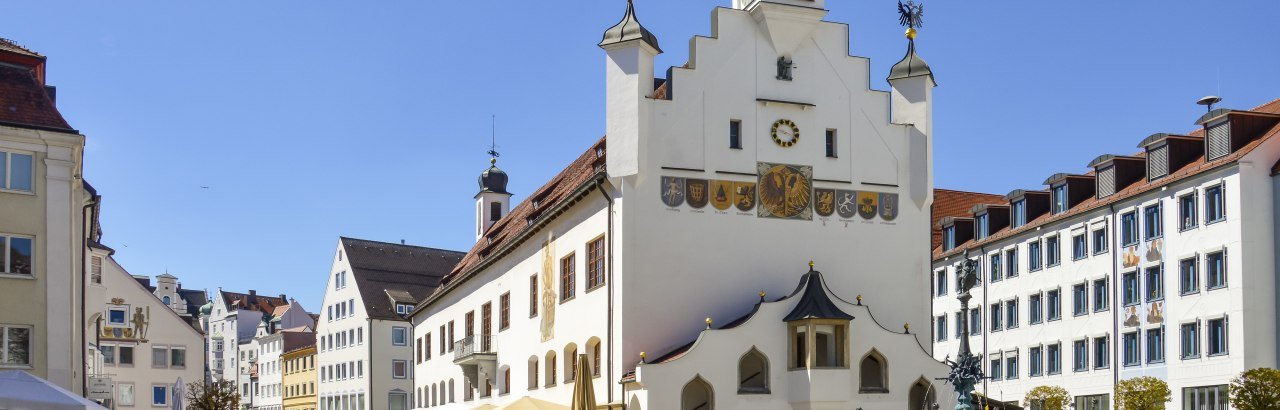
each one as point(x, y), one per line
point(966, 370)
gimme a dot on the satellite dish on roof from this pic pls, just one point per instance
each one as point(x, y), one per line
point(1209, 101)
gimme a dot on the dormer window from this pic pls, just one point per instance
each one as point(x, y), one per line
point(403, 308)
point(981, 225)
point(1217, 140)
point(1059, 198)
point(1019, 213)
point(1157, 162)
point(949, 238)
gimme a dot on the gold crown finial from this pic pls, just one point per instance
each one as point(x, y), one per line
point(911, 33)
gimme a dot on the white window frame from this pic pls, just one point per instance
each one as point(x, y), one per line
point(6, 259)
point(405, 374)
point(165, 403)
point(404, 336)
point(121, 389)
point(7, 183)
point(4, 346)
point(155, 365)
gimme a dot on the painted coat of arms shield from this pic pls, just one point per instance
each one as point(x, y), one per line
point(888, 206)
point(721, 194)
point(785, 191)
point(868, 204)
point(744, 196)
point(824, 201)
point(697, 192)
point(846, 203)
point(672, 191)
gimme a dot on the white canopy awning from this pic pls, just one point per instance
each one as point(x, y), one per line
point(20, 390)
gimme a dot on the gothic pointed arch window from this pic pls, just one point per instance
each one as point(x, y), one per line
point(922, 395)
point(753, 373)
point(697, 395)
point(873, 373)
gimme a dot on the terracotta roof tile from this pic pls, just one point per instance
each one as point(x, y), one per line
point(25, 102)
point(12, 47)
point(1193, 168)
point(237, 301)
point(948, 202)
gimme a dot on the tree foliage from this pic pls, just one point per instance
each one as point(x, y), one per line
point(1047, 398)
point(218, 395)
point(1142, 393)
point(1256, 389)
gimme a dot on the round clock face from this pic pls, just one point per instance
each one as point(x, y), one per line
point(785, 133)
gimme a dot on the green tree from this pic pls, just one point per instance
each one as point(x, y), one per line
point(1256, 389)
point(1142, 393)
point(1046, 398)
point(218, 395)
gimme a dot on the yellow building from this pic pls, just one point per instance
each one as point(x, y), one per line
point(299, 366)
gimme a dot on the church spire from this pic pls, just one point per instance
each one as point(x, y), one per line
point(910, 15)
point(629, 29)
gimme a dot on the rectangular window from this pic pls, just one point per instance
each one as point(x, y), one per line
point(451, 336)
point(108, 354)
point(995, 369)
point(469, 326)
point(1011, 314)
point(1034, 256)
point(1188, 279)
point(1080, 355)
point(1059, 199)
point(1011, 262)
point(1155, 345)
point(940, 327)
point(1187, 212)
point(1214, 204)
point(399, 336)
point(399, 369)
point(940, 284)
point(1037, 362)
point(1205, 398)
point(1215, 265)
point(1018, 213)
point(975, 322)
point(16, 171)
point(1189, 333)
point(831, 143)
point(1034, 310)
point(533, 295)
point(994, 260)
point(735, 134)
point(1129, 229)
point(16, 343)
point(1093, 402)
point(486, 327)
point(949, 238)
point(1130, 288)
point(1079, 247)
point(1155, 283)
point(16, 257)
point(159, 357)
point(1054, 250)
point(160, 395)
point(1101, 352)
point(595, 264)
point(996, 317)
point(1217, 336)
point(1131, 354)
point(1101, 295)
point(1099, 241)
point(504, 311)
point(567, 278)
point(1151, 221)
point(117, 316)
point(981, 226)
point(1055, 358)
point(95, 269)
point(1011, 367)
point(1080, 299)
point(1055, 304)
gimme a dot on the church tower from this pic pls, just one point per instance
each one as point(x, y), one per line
point(493, 201)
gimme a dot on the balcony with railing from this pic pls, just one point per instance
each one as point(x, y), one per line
point(477, 357)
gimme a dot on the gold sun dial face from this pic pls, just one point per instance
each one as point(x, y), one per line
point(785, 133)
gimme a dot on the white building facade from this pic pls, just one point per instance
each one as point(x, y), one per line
point(1159, 264)
point(766, 151)
point(231, 321)
point(271, 346)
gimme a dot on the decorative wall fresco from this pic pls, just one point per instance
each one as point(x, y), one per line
point(846, 203)
point(785, 191)
point(868, 204)
point(1155, 312)
point(1129, 258)
point(824, 201)
point(125, 323)
point(672, 191)
point(1155, 248)
point(744, 196)
point(1131, 318)
point(721, 194)
point(697, 192)
point(781, 191)
point(548, 281)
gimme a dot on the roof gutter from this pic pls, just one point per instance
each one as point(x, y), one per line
point(608, 283)
point(551, 214)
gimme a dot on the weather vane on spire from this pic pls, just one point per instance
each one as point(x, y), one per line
point(911, 16)
point(493, 139)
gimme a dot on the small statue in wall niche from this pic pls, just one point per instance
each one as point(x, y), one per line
point(784, 68)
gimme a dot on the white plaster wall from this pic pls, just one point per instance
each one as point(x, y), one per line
point(269, 396)
point(357, 319)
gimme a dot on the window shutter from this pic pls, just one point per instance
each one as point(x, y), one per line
point(1219, 140)
point(1106, 182)
point(1157, 162)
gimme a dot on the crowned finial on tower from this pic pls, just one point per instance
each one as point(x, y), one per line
point(911, 16)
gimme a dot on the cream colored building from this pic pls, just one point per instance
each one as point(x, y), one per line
point(43, 202)
point(299, 382)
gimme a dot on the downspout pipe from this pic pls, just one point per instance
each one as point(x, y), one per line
point(608, 283)
point(84, 280)
point(1115, 293)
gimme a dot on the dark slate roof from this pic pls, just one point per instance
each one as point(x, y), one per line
point(911, 66)
point(629, 29)
point(24, 101)
point(493, 179)
point(382, 268)
point(815, 303)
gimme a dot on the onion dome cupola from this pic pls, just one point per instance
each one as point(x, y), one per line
point(629, 29)
point(493, 201)
point(206, 309)
point(493, 179)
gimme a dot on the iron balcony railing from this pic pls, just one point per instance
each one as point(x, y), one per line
point(471, 345)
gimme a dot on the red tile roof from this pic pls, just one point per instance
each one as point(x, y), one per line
point(24, 102)
point(12, 47)
point(522, 220)
point(266, 304)
point(1193, 168)
point(948, 202)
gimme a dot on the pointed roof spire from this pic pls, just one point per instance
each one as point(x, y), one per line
point(911, 16)
point(815, 303)
point(629, 29)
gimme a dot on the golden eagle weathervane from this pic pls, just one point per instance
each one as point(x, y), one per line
point(911, 16)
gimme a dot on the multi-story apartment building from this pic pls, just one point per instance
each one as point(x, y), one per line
point(299, 382)
point(363, 337)
point(231, 320)
point(43, 226)
point(272, 344)
point(1161, 263)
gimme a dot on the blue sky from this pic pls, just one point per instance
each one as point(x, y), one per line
point(310, 120)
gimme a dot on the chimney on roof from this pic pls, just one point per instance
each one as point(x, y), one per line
point(282, 297)
point(402, 241)
point(253, 297)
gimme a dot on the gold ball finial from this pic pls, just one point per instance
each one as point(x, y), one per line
point(906, 328)
point(642, 356)
point(810, 264)
point(911, 33)
point(859, 300)
point(762, 294)
point(493, 161)
point(708, 322)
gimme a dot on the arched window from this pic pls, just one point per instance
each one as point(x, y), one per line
point(570, 362)
point(166, 300)
point(697, 395)
point(451, 398)
point(533, 372)
point(551, 369)
point(435, 394)
point(753, 373)
point(593, 351)
point(873, 373)
point(922, 396)
point(495, 211)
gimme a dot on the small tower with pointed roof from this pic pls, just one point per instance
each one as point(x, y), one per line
point(493, 201)
point(911, 104)
point(630, 50)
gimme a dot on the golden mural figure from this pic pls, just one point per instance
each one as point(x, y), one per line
point(785, 191)
point(140, 323)
point(548, 288)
